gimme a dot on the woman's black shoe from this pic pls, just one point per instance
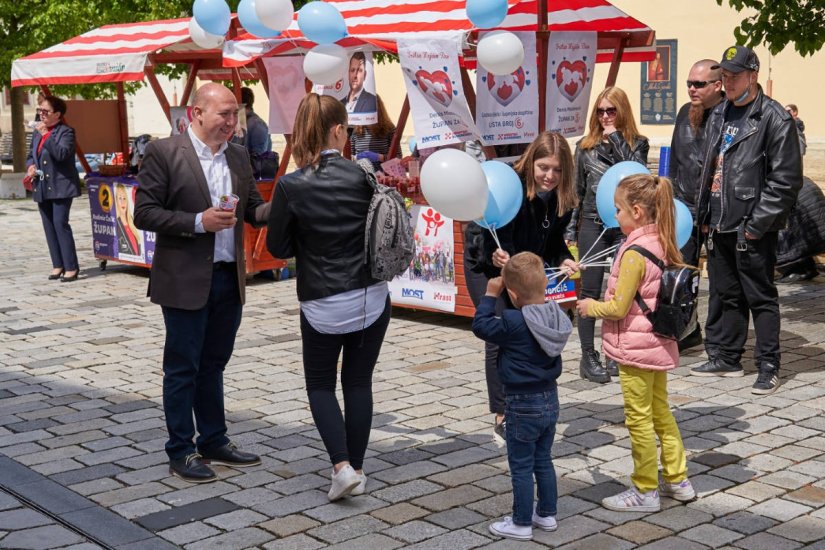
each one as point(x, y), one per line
point(69, 278)
point(590, 367)
point(56, 276)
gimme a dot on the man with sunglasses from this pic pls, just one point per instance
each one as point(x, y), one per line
point(751, 174)
point(704, 86)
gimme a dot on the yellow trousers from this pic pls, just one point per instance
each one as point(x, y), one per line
point(647, 415)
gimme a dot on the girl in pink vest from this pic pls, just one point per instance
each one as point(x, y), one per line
point(645, 212)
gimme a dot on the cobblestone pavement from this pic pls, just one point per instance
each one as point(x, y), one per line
point(82, 432)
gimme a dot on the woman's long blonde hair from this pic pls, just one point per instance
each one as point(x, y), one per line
point(130, 221)
point(624, 119)
point(654, 194)
point(315, 117)
point(550, 144)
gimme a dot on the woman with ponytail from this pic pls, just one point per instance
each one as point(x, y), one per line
point(319, 215)
point(646, 215)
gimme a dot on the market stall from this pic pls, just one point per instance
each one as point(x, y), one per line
point(118, 54)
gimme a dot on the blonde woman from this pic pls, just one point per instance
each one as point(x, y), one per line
point(128, 236)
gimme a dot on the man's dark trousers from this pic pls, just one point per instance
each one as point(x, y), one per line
point(198, 346)
point(690, 253)
point(744, 283)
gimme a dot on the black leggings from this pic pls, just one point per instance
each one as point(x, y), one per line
point(592, 277)
point(343, 439)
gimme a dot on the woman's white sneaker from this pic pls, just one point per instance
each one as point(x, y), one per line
point(545, 524)
point(343, 482)
point(507, 529)
point(682, 491)
point(361, 487)
point(633, 501)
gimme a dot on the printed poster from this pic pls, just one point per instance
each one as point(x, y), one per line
point(439, 108)
point(114, 235)
point(507, 105)
point(560, 289)
point(181, 119)
point(286, 90)
point(571, 59)
point(430, 280)
point(357, 90)
point(658, 88)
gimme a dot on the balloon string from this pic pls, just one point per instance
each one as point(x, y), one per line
point(584, 256)
point(492, 230)
point(604, 253)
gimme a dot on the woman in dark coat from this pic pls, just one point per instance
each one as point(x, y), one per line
point(804, 237)
point(55, 183)
point(546, 172)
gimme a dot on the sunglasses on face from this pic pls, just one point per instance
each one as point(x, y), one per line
point(610, 111)
point(43, 112)
point(699, 84)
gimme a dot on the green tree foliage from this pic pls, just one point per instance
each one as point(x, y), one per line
point(775, 23)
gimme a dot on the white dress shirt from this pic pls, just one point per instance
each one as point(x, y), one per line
point(216, 171)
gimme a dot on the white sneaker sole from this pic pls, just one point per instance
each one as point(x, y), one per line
point(680, 498)
point(543, 528)
point(760, 391)
point(631, 509)
point(343, 492)
point(725, 374)
point(496, 532)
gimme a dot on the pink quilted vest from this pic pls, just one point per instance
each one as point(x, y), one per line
point(631, 341)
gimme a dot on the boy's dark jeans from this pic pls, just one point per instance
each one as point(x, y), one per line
point(531, 425)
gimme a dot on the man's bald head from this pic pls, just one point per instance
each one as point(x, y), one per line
point(705, 84)
point(214, 114)
point(211, 92)
point(712, 67)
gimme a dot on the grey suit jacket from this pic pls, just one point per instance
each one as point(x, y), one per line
point(172, 191)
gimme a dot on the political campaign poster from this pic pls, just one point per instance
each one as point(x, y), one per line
point(439, 108)
point(430, 280)
point(357, 90)
point(507, 105)
point(570, 62)
point(114, 234)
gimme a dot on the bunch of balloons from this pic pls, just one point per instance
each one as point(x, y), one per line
point(500, 52)
point(261, 18)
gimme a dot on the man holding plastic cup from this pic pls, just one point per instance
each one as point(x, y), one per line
point(196, 190)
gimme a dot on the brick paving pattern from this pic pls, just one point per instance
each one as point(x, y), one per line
point(80, 392)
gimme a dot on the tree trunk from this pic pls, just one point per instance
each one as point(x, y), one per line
point(18, 129)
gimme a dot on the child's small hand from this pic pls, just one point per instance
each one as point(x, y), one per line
point(582, 305)
point(495, 286)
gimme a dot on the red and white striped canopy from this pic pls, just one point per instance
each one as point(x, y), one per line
point(379, 23)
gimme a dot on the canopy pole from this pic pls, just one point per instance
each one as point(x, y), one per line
point(543, 43)
point(399, 128)
point(263, 76)
point(618, 51)
point(124, 123)
point(153, 82)
point(190, 82)
point(236, 84)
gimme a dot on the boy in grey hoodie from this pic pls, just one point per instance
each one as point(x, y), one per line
point(530, 339)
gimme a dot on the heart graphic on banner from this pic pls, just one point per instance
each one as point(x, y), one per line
point(571, 78)
point(506, 88)
point(435, 85)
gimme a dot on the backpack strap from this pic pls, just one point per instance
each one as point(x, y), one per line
point(656, 261)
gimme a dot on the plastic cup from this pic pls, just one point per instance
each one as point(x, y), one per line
point(228, 202)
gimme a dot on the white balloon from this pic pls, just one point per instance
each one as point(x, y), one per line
point(454, 184)
point(275, 14)
point(205, 40)
point(500, 52)
point(326, 64)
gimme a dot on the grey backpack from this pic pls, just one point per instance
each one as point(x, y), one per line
point(388, 241)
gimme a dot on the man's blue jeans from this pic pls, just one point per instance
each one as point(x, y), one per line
point(531, 425)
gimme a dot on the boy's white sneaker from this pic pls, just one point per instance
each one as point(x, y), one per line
point(632, 500)
point(545, 524)
point(343, 482)
point(507, 529)
point(362, 485)
point(682, 491)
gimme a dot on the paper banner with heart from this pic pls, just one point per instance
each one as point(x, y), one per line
point(506, 88)
point(436, 86)
point(571, 78)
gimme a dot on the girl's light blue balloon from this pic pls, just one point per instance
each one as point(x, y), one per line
point(684, 223)
point(322, 23)
point(505, 194)
point(249, 20)
point(212, 15)
point(486, 14)
point(606, 190)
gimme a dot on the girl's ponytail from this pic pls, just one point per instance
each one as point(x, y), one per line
point(666, 220)
point(315, 117)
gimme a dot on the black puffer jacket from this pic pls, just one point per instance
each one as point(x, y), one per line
point(591, 164)
point(319, 215)
point(762, 171)
point(805, 235)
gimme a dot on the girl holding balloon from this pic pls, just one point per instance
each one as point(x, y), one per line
point(612, 138)
point(535, 205)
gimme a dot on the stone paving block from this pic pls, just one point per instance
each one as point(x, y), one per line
point(787, 479)
point(22, 518)
point(465, 474)
point(569, 506)
point(236, 520)
point(295, 542)
point(455, 518)
point(188, 533)
point(399, 513)
point(805, 529)
point(251, 497)
point(767, 541)
point(289, 525)
point(345, 508)
point(600, 541)
point(639, 532)
point(713, 534)
point(450, 498)
point(96, 486)
point(41, 538)
point(373, 541)
point(196, 493)
point(679, 519)
point(242, 538)
point(293, 503)
point(570, 529)
point(780, 509)
point(721, 504)
point(454, 540)
point(298, 484)
point(415, 531)
point(134, 492)
point(106, 526)
point(746, 523)
point(139, 508)
point(756, 491)
point(407, 491)
point(347, 529)
point(180, 515)
point(673, 543)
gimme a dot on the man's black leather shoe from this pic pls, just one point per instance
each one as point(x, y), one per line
point(611, 366)
point(717, 367)
point(192, 469)
point(230, 455)
point(590, 367)
point(797, 277)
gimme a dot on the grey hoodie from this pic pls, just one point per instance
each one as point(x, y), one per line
point(549, 325)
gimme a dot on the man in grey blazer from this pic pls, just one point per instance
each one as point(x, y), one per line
point(198, 274)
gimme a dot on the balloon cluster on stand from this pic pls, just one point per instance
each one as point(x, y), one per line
point(322, 23)
point(325, 64)
point(499, 52)
point(261, 18)
point(248, 15)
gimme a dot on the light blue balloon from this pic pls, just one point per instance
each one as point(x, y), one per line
point(486, 14)
point(606, 190)
point(684, 223)
point(322, 23)
point(249, 20)
point(212, 15)
point(505, 194)
point(411, 144)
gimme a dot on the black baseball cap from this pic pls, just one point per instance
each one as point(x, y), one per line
point(739, 58)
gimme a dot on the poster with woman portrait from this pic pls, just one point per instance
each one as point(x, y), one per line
point(114, 234)
point(129, 238)
point(658, 88)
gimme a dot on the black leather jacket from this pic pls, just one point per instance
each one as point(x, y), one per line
point(591, 165)
point(319, 215)
point(762, 172)
point(687, 149)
